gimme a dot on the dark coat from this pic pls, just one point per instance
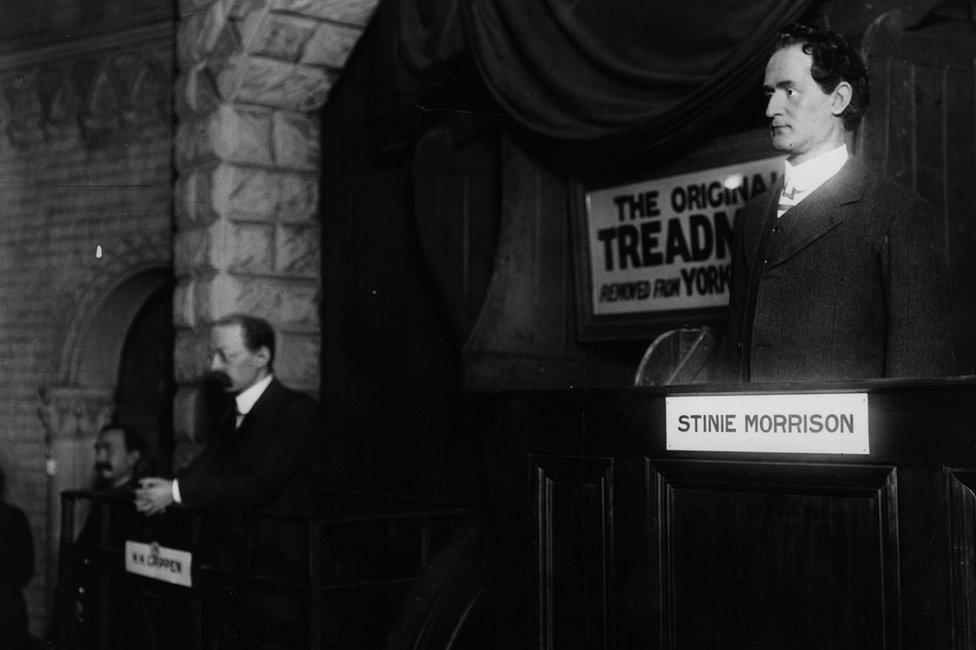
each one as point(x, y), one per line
point(850, 283)
point(77, 606)
point(16, 569)
point(268, 465)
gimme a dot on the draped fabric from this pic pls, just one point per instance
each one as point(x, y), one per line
point(621, 76)
point(605, 76)
point(618, 77)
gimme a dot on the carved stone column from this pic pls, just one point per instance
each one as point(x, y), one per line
point(253, 75)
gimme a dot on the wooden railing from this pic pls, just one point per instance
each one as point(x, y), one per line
point(338, 579)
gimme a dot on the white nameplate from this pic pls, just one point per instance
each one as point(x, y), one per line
point(800, 424)
point(158, 562)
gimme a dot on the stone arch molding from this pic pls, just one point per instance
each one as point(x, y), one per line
point(80, 400)
point(107, 300)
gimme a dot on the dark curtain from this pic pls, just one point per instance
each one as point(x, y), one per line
point(617, 77)
point(621, 76)
point(611, 77)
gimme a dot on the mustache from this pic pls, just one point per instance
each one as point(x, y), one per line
point(102, 466)
point(218, 378)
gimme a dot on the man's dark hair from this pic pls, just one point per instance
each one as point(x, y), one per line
point(131, 437)
point(257, 333)
point(834, 60)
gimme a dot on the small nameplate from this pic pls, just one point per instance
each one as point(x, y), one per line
point(158, 562)
point(834, 423)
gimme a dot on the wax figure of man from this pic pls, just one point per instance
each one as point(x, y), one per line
point(119, 449)
point(120, 452)
point(120, 455)
point(837, 273)
point(263, 457)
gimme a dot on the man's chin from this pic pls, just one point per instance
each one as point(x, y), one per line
point(781, 144)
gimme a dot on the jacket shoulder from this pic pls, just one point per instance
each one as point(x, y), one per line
point(885, 190)
point(283, 397)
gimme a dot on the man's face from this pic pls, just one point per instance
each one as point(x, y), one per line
point(236, 366)
point(113, 463)
point(805, 121)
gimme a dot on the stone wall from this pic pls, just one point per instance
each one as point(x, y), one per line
point(87, 132)
point(85, 170)
point(253, 75)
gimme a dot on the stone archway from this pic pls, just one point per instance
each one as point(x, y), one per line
point(253, 76)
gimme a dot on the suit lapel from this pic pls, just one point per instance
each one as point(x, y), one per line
point(755, 227)
point(819, 213)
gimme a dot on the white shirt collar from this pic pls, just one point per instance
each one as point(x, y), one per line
point(247, 397)
point(811, 174)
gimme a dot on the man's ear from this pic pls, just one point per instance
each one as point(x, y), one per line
point(841, 98)
point(264, 354)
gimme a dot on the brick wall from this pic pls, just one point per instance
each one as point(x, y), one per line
point(85, 162)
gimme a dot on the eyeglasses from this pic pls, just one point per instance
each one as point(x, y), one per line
point(226, 358)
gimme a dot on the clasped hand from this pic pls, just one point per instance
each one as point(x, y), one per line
point(153, 495)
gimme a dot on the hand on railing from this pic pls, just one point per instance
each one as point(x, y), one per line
point(154, 495)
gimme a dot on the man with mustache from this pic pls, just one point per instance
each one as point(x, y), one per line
point(118, 451)
point(263, 458)
point(263, 454)
point(120, 454)
point(837, 273)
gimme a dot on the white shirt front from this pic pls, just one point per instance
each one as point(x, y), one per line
point(802, 179)
point(248, 397)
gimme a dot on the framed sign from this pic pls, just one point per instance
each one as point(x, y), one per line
point(659, 251)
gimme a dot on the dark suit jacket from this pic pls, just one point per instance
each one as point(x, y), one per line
point(16, 569)
point(267, 465)
point(850, 283)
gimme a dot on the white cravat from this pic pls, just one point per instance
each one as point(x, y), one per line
point(247, 398)
point(802, 179)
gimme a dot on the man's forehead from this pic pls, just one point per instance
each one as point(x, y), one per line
point(226, 335)
point(789, 60)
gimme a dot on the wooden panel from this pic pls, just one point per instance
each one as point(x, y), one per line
point(900, 158)
point(772, 556)
point(640, 558)
point(962, 533)
point(523, 337)
point(455, 177)
point(873, 134)
point(921, 129)
point(960, 163)
point(574, 504)
point(930, 145)
point(390, 359)
point(738, 550)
